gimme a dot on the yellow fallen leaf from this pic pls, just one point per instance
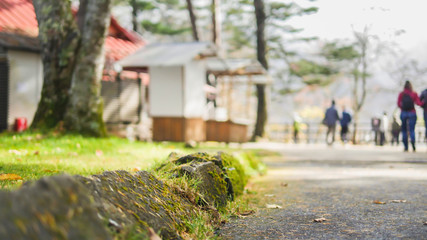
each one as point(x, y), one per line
point(9, 176)
point(398, 201)
point(379, 202)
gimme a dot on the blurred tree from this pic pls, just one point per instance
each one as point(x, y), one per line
point(262, 58)
point(159, 17)
point(354, 60)
point(193, 20)
point(271, 31)
point(73, 59)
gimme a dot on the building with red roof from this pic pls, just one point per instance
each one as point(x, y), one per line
point(21, 68)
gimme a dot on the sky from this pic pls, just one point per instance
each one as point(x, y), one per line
point(386, 18)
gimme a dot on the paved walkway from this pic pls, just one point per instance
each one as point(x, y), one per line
point(363, 192)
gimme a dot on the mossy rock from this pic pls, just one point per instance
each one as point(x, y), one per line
point(226, 181)
point(139, 201)
point(57, 207)
point(233, 170)
point(212, 185)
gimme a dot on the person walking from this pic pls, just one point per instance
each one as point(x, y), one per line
point(423, 99)
point(330, 120)
point(406, 102)
point(383, 128)
point(395, 131)
point(345, 121)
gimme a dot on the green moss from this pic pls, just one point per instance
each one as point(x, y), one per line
point(235, 172)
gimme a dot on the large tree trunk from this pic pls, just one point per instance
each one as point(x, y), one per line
point(216, 23)
point(85, 107)
point(59, 39)
point(192, 20)
point(135, 25)
point(262, 58)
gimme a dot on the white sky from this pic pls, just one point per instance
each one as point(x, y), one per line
point(335, 19)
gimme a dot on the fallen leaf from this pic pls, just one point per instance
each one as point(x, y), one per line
point(9, 176)
point(153, 235)
point(98, 153)
point(36, 153)
point(137, 169)
point(284, 184)
point(50, 171)
point(398, 201)
point(378, 202)
point(246, 213)
point(274, 206)
point(269, 195)
point(322, 219)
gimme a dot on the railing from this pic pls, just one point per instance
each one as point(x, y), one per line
point(314, 132)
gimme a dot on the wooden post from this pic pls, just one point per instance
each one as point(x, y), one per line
point(248, 97)
point(230, 95)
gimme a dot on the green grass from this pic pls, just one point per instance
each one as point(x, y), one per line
point(32, 156)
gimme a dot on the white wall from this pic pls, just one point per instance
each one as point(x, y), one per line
point(166, 91)
point(26, 81)
point(195, 96)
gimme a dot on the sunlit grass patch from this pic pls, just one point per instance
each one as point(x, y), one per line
point(32, 156)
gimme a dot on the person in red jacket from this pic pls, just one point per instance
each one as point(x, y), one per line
point(406, 102)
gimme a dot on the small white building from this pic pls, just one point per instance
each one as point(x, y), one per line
point(177, 93)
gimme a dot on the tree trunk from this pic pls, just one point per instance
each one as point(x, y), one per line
point(216, 23)
point(59, 39)
point(261, 112)
point(135, 25)
point(85, 107)
point(355, 125)
point(192, 20)
point(261, 56)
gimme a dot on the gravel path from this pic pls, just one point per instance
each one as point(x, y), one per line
point(341, 185)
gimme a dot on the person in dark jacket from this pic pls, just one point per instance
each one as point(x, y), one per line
point(406, 102)
point(331, 118)
point(423, 98)
point(395, 131)
point(345, 121)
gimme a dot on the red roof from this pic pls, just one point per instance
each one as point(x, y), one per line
point(18, 17)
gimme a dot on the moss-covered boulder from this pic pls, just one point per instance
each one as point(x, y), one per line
point(212, 185)
point(221, 177)
point(138, 201)
point(233, 170)
point(56, 207)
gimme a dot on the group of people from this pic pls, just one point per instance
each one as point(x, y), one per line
point(406, 101)
point(330, 120)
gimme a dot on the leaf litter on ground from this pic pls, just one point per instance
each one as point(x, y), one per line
point(9, 176)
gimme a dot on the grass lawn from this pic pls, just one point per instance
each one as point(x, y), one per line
point(30, 156)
